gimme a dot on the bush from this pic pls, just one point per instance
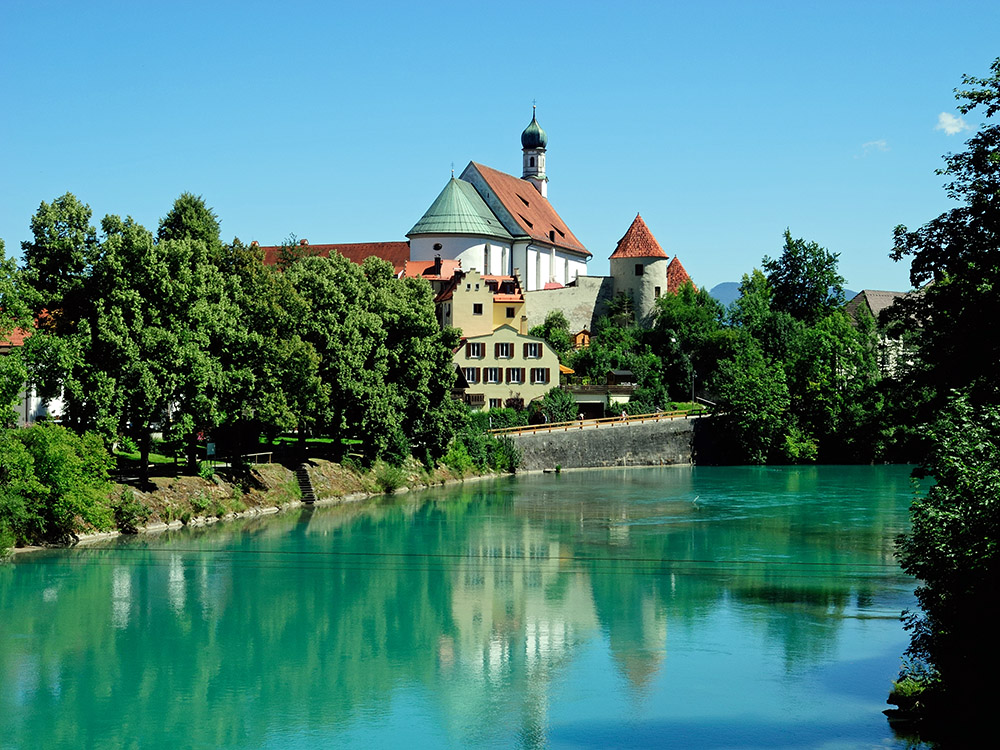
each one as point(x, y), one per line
point(457, 458)
point(6, 539)
point(388, 477)
point(206, 470)
point(53, 483)
point(201, 502)
point(127, 445)
point(130, 513)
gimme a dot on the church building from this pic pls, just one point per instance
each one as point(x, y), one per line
point(494, 223)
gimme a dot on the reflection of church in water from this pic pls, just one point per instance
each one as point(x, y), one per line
point(524, 605)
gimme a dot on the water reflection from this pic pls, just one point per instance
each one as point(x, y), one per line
point(488, 615)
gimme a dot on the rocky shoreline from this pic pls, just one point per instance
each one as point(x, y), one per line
point(175, 501)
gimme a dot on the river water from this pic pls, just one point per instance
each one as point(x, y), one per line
point(700, 608)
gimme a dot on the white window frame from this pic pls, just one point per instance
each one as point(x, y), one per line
point(475, 350)
point(492, 375)
point(505, 350)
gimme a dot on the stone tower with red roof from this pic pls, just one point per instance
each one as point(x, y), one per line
point(641, 269)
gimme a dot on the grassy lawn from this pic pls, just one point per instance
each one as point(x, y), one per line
point(154, 458)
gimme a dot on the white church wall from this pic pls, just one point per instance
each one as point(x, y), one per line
point(470, 251)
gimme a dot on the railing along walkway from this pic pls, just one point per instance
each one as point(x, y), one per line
point(604, 423)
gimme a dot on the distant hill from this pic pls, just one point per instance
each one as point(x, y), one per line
point(729, 291)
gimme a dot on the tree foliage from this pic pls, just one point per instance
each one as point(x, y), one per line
point(555, 330)
point(954, 263)
point(954, 550)
point(804, 279)
point(952, 547)
point(53, 483)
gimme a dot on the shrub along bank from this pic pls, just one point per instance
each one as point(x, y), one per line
point(56, 485)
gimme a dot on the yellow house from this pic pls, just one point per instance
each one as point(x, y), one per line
point(478, 304)
point(506, 364)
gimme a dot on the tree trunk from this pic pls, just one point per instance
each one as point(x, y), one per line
point(144, 446)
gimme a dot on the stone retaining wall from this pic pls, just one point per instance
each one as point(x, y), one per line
point(612, 444)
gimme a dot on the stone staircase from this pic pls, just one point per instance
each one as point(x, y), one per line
point(305, 484)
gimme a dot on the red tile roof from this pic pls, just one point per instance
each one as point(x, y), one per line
point(639, 242)
point(676, 276)
point(426, 269)
point(532, 212)
point(397, 253)
point(504, 288)
point(16, 338)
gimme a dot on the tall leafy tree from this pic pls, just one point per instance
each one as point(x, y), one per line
point(13, 315)
point(555, 330)
point(59, 258)
point(955, 263)
point(190, 218)
point(953, 548)
point(753, 404)
point(689, 338)
point(804, 280)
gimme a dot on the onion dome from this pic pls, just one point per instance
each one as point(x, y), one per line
point(533, 135)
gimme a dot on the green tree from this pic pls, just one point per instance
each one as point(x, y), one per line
point(688, 338)
point(954, 262)
point(291, 250)
point(559, 405)
point(190, 218)
point(13, 315)
point(954, 550)
point(59, 258)
point(555, 330)
point(754, 311)
point(753, 404)
point(833, 378)
point(804, 279)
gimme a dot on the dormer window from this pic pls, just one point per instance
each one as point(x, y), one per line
point(552, 235)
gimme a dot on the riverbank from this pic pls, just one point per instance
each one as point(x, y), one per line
point(173, 502)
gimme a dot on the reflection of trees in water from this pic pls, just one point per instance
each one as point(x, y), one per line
point(481, 596)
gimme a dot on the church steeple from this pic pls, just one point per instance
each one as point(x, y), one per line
point(533, 143)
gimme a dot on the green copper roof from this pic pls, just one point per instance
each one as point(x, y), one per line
point(459, 210)
point(533, 135)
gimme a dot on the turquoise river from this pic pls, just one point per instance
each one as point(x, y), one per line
point(698, 608)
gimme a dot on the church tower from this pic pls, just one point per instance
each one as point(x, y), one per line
point(533, 142)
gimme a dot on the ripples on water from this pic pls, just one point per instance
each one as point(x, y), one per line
point(689, 608)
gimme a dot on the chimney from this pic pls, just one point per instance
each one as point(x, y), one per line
point(436, 268)
point(524, 325)
point(303, 243)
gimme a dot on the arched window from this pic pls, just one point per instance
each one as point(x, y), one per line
point(531, 161)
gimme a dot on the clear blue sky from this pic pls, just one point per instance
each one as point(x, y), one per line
point(722, 123)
